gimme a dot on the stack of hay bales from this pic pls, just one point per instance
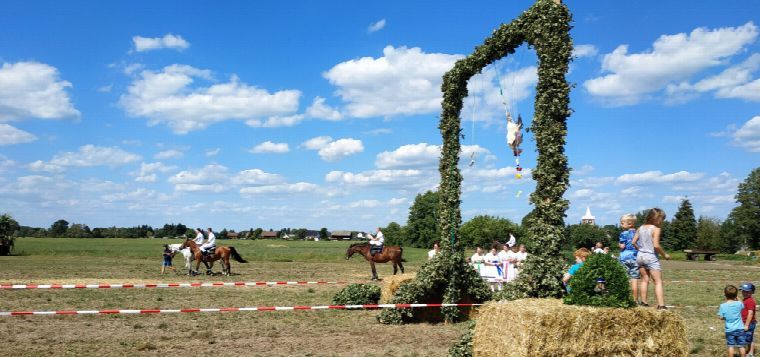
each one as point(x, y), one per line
point(391, 284)
point(546, 327)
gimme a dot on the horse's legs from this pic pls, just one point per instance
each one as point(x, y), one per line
point(400, 266)
point(374, 271)
point(394, 267)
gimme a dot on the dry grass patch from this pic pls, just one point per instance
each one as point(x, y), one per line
point(391, 284)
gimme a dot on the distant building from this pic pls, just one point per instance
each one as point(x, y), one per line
point(340, 235)
point(233, 235)
point(268, 235)
point(588, 218)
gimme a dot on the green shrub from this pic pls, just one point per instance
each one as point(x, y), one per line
point(583, 283)
point(463, 347)
point(357, 294)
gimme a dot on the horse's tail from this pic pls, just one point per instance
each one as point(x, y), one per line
point(401, 254)
point(237, 256)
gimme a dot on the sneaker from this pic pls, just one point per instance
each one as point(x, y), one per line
point(662, 307)
point(643, 304)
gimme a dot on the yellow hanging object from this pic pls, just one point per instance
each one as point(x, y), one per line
point(518, 176)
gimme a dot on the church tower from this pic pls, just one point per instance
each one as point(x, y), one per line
point(588, 218)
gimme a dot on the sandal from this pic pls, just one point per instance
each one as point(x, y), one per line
point(662, 307)
point(643, 304)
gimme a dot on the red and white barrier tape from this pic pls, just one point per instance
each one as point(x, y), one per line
point(229, 309)
point(702, 281)
point(164, 285)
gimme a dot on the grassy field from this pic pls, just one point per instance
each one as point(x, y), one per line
point(301, 333)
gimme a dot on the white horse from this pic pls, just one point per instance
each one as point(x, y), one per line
point(185, 252)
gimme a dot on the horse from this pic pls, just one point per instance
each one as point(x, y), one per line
point(185, 253)
point(220, 253)
point(389, 253)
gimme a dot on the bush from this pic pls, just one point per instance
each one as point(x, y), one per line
point(583, 283)
point(463, 347)
point(357, 294)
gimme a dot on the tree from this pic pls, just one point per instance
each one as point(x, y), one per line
point(8, 225)
point(683, 228)
point(257, 233)
point(394, 234)
point(421, 227)
point(323, 234)
point(59, 228)
point(78, 230)
point(708, 233)
point(482, 231)
point(746, 216)
point(732, 237)
point(586, 235)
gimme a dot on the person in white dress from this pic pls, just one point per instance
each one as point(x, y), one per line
point(198, 237)
point(508, 259)
point(520, 256)
point(477, 260)
point(210, 244)
point(492, 269)
point(434, 251)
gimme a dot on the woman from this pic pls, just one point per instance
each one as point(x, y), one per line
point(492, 270)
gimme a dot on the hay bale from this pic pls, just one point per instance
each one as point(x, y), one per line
point(546, 327)
point(391, 284)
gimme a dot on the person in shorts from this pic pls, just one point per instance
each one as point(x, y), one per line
point(731, 312)
point(167, 259)
point(748, 316)
point(628, 253)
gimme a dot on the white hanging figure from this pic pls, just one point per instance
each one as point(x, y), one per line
point(512, 241)
point(514, 134)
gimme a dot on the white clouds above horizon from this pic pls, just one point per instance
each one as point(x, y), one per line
point(748, 135)
point(170, 41)
point(33, 90)
point(581, 51)
point(87, 156)
point(333, 150)
point(269, 147)
point(166, 97)
point(652, 177)
point(404, 81)
point(673, 59)
point(169, 154)
point(10, 135)
point(376, 26)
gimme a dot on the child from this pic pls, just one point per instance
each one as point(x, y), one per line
point(167, 259)
point(748, 316)
point(628, 253)
point(731, 312)
point(647, 242)
point(580, 257)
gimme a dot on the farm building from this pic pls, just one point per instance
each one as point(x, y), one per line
point(268, 235)
point(340, 235)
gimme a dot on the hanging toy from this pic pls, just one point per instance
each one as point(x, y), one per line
point(514, 134)
point(472, 158)
point(518, 169)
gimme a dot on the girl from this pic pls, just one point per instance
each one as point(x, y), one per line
point(647, 242)
point(493, 271)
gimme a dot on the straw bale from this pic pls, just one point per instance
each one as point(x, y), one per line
point(391, 284)
point(546, 327)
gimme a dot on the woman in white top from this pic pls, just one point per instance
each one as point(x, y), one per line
point(198, 237)
point(433, 251)
point(492, 269)
point(477, 260)
point(520, 257)
point(508, 259)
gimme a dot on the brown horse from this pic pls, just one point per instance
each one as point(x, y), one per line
point(392, 254)
point(220, 253)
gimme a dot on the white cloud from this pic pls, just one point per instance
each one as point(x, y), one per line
point(33, 90)
point(733, 82)
point(212, 173)
point(650, 177)
point(748, 135)
point(581, 51)
point(276, 121)
point(377, 177)
point(673, 59)
point(341, 148)
point(299, 187)
point(10, 135)
point(320, 110)
point(406, 156)
point(169, 154)
point(376, 26)
point(140, 194)
point(167, 97)
point(486, 101)
point(673, 199)
point(316, 143)
point(40, 165)
point(405, 81)
point(379, 131)
point(583, 170)
point(213, 152)
point(91, 155)
point(270, 147)
point(256, 177)
point(592, 181)
point(196, 187)
point(147, 171)
point(155, 43)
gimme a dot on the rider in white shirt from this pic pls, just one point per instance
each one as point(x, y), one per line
point(210, 242)
point(198, 237)
point(376, 242)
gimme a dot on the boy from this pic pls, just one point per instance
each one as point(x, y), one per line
point(628, 253)
point(731, 312)
point(167, 259)
point(580, 257)
point(748, 316)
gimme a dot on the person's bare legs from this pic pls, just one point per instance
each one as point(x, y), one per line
point(643, 289)
point(635, 288)
point(659, 293)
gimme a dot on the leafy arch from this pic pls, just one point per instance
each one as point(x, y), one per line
point(545, 26)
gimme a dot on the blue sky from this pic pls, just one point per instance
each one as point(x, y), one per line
point(324, 114)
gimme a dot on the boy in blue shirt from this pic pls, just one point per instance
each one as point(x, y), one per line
point(580, 257)
point(628, 253)
point(731, 312)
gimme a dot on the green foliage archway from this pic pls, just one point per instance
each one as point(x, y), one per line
point(544, 26)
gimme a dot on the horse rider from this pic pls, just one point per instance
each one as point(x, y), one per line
point(210, 244)
point(376, 242)
point(198, 237)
